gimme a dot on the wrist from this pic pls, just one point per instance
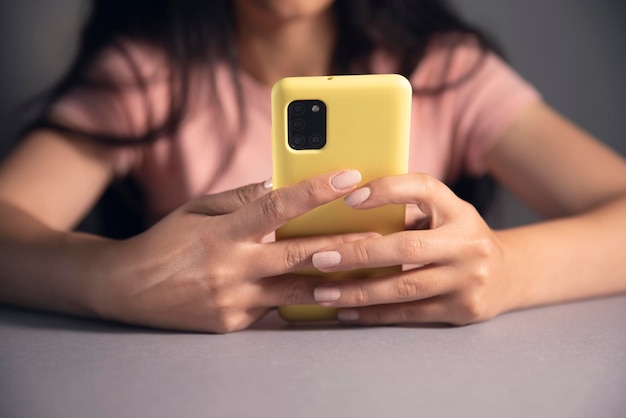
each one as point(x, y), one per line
point(121, 270)
point(517, 284)
point(94, 269)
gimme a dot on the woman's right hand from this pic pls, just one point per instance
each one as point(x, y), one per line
point(204, 267)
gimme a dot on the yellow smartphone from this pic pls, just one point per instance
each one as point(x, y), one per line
point(320, 124)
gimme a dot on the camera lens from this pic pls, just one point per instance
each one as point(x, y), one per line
point(298, 124)
point(297, 139)
point(315, 139)
point(297, 109)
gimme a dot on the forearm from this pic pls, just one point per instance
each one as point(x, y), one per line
point(567, 259)
point(47, 269)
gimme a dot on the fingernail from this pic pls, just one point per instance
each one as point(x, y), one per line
point(326, 259)
point(357, 197)
point(348, 315)
point(346, 180)
point(268, 184)
point(326, 294)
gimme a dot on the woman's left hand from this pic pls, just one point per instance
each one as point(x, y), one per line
point(463, 277)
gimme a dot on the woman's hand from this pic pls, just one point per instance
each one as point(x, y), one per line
point(462, 278)
point(204, 267)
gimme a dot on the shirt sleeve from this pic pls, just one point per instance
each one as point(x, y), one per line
point(124, 94)
point(485, 97)
point(473, 96)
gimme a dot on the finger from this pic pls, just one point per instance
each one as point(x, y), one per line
point(430, 195)
point(428, 311)
point(406, 286)
point(282, 257)
point(288, 289)
point(230, 200)
point(407, 247)
point(274, 209)
point(275, 288)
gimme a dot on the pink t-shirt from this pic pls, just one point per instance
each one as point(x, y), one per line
point(451, 132)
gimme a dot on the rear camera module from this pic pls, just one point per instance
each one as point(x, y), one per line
point(306, 124)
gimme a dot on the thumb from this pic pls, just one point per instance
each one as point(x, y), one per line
point(229, 200)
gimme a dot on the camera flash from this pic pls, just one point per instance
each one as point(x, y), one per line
point(315, 108)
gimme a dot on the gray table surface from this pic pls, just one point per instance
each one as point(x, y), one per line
point(558, 361)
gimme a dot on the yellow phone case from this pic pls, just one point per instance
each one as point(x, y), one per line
point(367, 129)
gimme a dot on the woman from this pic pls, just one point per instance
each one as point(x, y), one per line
point(174, 95)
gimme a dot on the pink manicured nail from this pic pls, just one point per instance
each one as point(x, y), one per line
point(357, 197)
point(348, 315)
point(268, 184)
point(326, 259)
point(346, 180)
point(326, 294)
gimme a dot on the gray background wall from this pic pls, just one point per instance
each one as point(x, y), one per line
point(573, 51)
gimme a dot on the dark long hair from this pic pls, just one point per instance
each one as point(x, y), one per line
point(201, 32)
